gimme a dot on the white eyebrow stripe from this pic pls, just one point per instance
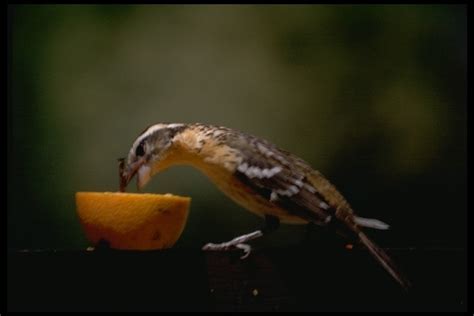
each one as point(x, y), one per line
point(152, 129)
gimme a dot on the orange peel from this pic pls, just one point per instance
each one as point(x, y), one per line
point(132, 221)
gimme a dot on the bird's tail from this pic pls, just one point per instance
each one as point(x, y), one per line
point(383, 259)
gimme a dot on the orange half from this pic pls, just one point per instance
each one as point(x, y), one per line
point(132, 220)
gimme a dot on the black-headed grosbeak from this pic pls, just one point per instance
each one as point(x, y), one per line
point(254, 173)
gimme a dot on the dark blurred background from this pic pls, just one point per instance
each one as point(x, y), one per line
point(372, 96)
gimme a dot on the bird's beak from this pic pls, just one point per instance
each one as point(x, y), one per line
point(126, 173)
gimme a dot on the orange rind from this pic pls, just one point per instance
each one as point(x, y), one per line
point(132, 221)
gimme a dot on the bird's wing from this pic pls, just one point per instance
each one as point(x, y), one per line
point(279, 178)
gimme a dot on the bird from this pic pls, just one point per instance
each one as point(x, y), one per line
point(256, 174)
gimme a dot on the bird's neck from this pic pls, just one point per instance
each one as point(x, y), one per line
point(200, 147)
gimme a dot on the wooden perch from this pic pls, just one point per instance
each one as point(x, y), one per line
point(296, 279)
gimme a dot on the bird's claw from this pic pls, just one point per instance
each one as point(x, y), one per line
point(226, 246)
point(246, 248)
point(238, 242)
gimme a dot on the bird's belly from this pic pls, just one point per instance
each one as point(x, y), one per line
point(252, 201)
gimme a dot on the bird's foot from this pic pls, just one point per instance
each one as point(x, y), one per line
point(238, 242)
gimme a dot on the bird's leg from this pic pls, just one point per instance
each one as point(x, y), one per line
point(238, 242)
point(271, 224)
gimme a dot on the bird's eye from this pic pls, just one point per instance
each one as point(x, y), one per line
point(140, 151)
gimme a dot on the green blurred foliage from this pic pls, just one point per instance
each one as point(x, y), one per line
point(372, 96)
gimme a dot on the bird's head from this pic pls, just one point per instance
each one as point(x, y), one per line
point(148, 154)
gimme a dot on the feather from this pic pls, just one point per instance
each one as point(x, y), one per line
point(384, 260)
point(371, 223)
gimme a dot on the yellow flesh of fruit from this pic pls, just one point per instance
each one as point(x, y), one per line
point(131, 220)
